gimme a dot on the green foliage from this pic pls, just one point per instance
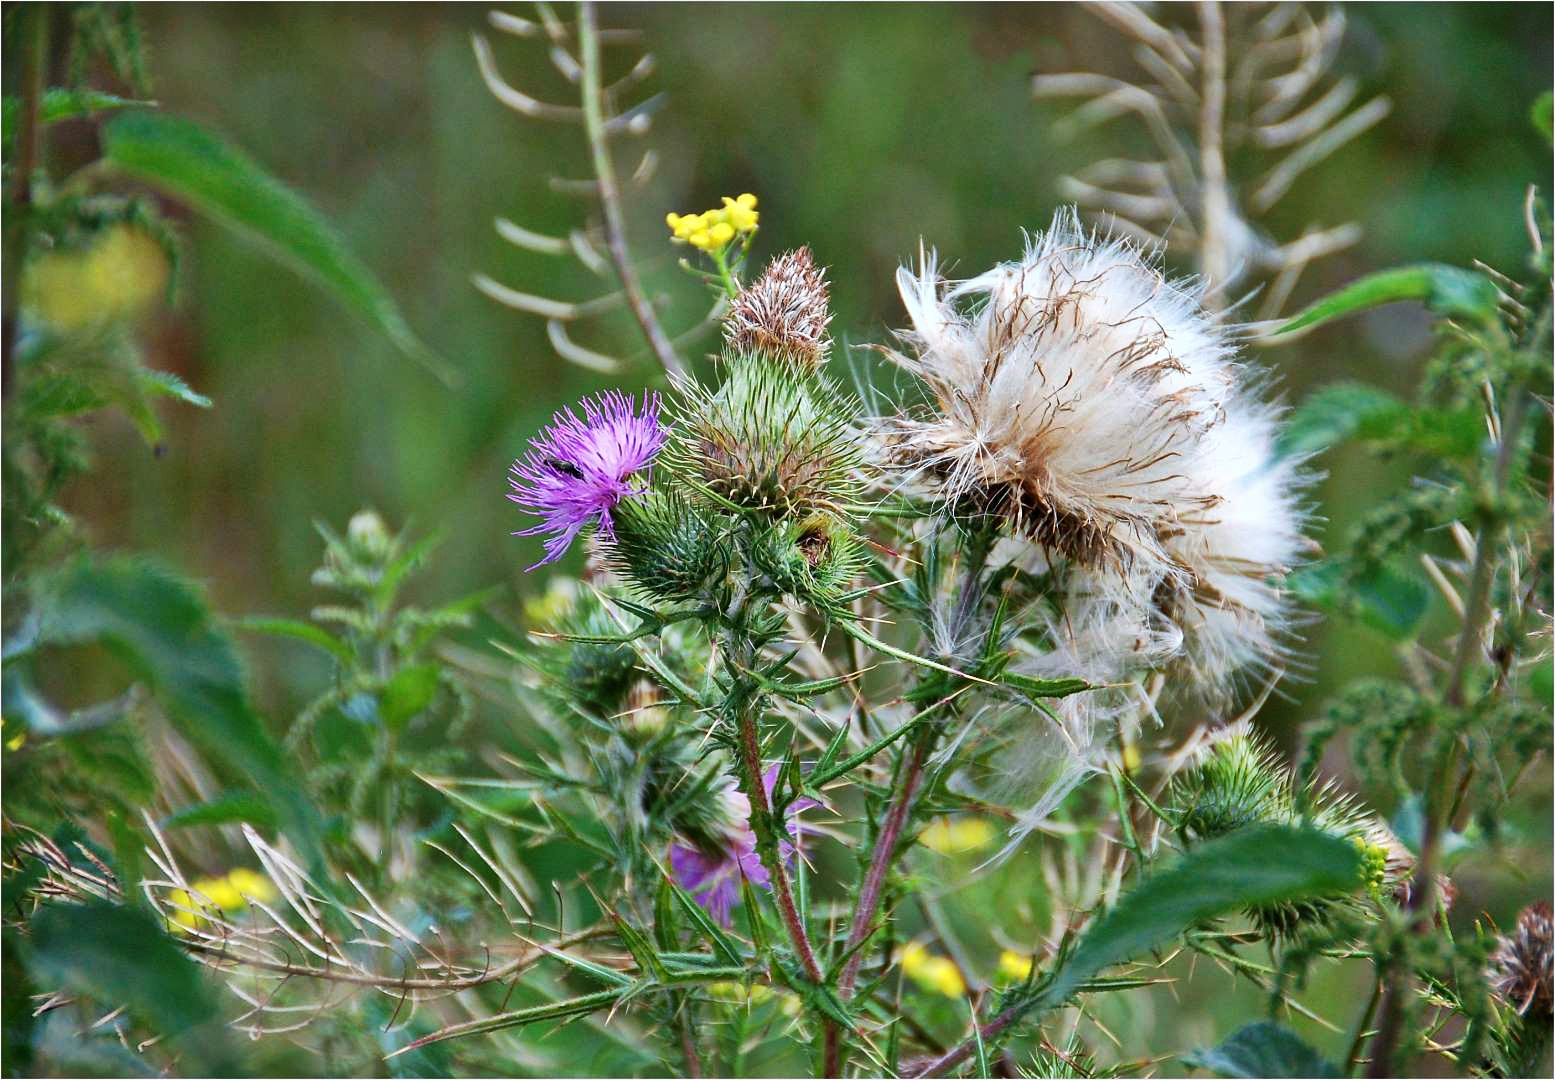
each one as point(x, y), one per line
point(1444, 290)
point(120, 956)
point(163, 629)
point(182, 158)
point(1263, 1049)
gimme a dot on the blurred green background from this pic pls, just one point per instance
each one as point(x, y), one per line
point(864, 129)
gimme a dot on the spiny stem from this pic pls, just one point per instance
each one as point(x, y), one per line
point(870, 890)
point(767, 843)
point(610, 196)
point(1440, 783)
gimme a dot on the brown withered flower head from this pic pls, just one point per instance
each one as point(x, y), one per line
point(1520, 969)
point(784, 312)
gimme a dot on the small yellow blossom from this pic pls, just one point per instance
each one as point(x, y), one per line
point(738, 993)
point(122, 274)
point(714, 230)
point(210, 895)
point(952, 837)
point(931, 972)
point(1014, 966)
point(1374, 864)
point(1131, 759)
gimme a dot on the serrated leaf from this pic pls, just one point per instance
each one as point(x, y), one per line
point(721, 942)
point(1385, 599)
point(1445, 290)
point(1352, 410)
point(160, 624)
point(230, 808)
point(186, 160)
point(62, 103)
point(1249, 868)
point(407, 694)
point(121, 956)
point(1262, 1049)
point(298, 631)
point(518, 1018)
point(169, 385)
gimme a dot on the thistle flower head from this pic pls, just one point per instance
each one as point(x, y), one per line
point(578, 470)
point(1090, 405)
point(712, 865)
point(784, 312)
point(771, 438)
point(1523, 965)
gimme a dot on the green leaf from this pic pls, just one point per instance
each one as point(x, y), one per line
point(1387, 600)
point(1445, 290)
point(1352, 410)
point(160, 624)
point(62, 103)
point(227, 809)
point(407, 694)
point(169, 385)
point(556, 1010)
point(298, 630)
point(185, 160)
point(1262, 1049)
point(121, 956)
point(1044, 688)
point(1249, 868)
point(1541, 115)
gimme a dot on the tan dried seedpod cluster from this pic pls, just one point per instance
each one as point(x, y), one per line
point(784, 312)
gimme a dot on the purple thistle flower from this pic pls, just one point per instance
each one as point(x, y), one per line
point(713, 877)
point(576, 470)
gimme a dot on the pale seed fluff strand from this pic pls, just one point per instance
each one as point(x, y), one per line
point(1090, 403)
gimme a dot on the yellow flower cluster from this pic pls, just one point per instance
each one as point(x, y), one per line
point(714, 230)
point(229, 893)
point(934, 973)
point(120, 276)
point(1374, 864)
point(1014, 966)
point(952, 837)
point(735, 993)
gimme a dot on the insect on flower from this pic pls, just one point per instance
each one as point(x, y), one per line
point(578, 470)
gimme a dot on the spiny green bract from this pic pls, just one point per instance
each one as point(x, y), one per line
point(667, 548)
point(815, 557)
point(1241, 783)
point(772, 438)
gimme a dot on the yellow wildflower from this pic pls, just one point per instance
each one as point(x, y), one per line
point(931, 972)
point(207, 896)
point(120, 275)
point(1014, 966)
point(738, 993)
point(714, 230)
point(952, 837)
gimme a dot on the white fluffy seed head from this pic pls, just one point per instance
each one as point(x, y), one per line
point(1088, 401)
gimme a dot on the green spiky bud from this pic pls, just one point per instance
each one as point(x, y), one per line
point(1237, 784)
point(1240, 783)
point(815, 557)
point(774, 438)
point(667, 548)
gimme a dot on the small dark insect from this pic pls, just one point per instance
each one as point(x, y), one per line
point(566, 468)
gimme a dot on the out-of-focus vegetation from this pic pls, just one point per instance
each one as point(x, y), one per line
point(868, 130)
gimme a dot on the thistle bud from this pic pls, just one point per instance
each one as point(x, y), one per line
point(784, 312)
point(773, 438)
point(645, 715)
point(667, 548)
point(815, 557)
point(369, 535)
